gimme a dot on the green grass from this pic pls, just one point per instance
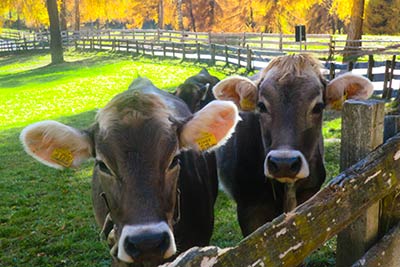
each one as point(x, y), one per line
point(46, 216)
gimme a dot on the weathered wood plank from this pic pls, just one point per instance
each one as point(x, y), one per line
point(390, 207)
point(291, 237)
point(362, 131)
point(385, 253)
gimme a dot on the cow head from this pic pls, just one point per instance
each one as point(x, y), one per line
point(135, 142)
point(289, 97)
point(196, 91)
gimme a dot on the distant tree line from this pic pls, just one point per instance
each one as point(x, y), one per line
point(319, 16)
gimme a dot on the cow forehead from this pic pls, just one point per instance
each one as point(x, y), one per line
point(131, 108)
point(296, 76)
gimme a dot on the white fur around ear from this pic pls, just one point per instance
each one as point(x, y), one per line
point(347, 86)
point(241, 90)
point(55, 144)
point(210, 127)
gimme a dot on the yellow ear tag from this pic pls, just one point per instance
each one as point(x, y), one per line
point(247, 105)
point(206, 140)
point(338, 104)
point(62, 156)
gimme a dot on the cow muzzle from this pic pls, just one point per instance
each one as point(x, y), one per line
point(150, 242)
point(286, 165)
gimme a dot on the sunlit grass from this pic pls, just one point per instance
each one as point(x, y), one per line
point(46, 215)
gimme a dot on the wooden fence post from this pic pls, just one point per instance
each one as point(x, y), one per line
point(248, 61)
point(280, 42)
point(226, 55)
point(198, 51)
point(385, 94)
point(262, 40)
point(212, 50)
point(390, 208)
point(371, 63)
point(137, 47)
point(331, 48)
point(384, 253)
point(392, 67)
point(164, 50)
point(360, 135)
point(350, 66)
point(183, 51)
point(239, 55)
point(332, 73)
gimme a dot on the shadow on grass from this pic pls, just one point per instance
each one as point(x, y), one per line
point(51, 73)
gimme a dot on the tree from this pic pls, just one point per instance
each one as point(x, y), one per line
point(354, 32)
point(55, 33)
point(381, 17)
point(77, 17)
point(180, 15)
point(63, 15)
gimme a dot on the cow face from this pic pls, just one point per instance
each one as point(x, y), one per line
point(136, 142)
point(289, 98)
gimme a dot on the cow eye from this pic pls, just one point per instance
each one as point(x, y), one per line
point(261, 107)
point(318, 108)
point(175, 162)
point(103, 167)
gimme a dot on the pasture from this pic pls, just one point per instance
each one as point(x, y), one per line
point(46, 215)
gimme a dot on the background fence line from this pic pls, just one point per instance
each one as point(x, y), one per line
point(247, 50)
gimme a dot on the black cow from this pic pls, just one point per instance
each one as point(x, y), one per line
point(196, 91)
point(280, 136)
point(142, 141)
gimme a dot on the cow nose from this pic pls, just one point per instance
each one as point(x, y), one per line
point(286, 164)
point(147, 244)
point(284, 167)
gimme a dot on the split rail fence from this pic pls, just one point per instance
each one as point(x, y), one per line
point(247, 50)
point(361, 205)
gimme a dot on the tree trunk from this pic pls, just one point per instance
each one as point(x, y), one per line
point(55, 34)
point(161, 14)
point(180, 15)
point(63, 15)
point(77, 16)
point(192, 19)
point(354, 30)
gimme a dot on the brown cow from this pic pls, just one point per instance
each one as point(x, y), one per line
point(142, 141)
point(280, 136)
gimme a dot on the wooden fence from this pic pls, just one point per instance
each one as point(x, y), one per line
point(248, 50)
point(372, 183)
point(321, 44)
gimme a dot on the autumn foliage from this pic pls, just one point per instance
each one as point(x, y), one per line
point(319, 16)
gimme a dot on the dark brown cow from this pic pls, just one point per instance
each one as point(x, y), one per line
point(280, 136)
point(142, 141)
point(196, 91)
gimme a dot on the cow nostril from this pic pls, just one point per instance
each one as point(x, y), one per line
point(296, 164)
point(272, 165)
point(142, 245)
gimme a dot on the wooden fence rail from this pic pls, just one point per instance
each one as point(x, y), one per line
point(291, 237)
point(321, 44)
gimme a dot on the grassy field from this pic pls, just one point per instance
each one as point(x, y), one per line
point(46, 215)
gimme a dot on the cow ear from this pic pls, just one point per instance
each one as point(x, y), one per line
point(56, 145)
point(347, 86)
point(210, 127)
point(242, 91)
